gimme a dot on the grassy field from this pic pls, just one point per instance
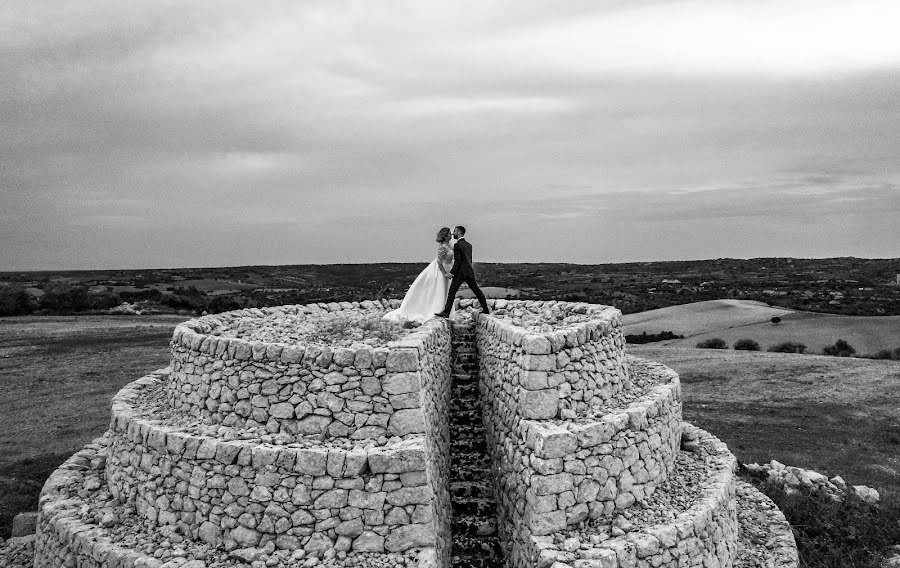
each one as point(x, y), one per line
point(834, 415)
point(732, 320)
point(57, 376)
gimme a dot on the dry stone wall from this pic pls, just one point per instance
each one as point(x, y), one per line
point(239, 494)
point(578, 432)
point(295, 391)
point(250, 445)
point(257, 448)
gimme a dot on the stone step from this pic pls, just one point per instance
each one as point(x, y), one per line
point(474, 474)
point(465, 382)
point(476, 552)
point(475, 542)
point(473, 510)
point(471, 435)
point(480, 489)
point(466, 412)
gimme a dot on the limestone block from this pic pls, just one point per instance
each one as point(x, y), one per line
point(405, 537)
point(311, 461)
point(534, 380)
point(552, 484)
point(313, 424)
point(245, 537)
point(548, 466)
point(334, 498)
point(351, 528)
point(368, 541)
point(407, 421)
point(282, 410)
point(343, 357)
point(24, 524)
point(318, 544)
point(401, 383)
point(547, 523)
point(645, 544)
point(536, 345)
point(355, 462)
point(410, 496)
point(363, 359)
point(537, 362)
point(593, 434)
point(402, 360)
point(538, 404)
point(553, 442)
point(366, 499)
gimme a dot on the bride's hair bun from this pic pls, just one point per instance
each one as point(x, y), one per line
point(443, 234)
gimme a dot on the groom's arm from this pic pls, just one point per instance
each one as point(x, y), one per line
point(457, 258)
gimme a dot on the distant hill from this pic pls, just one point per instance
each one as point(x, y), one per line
point(732, 320)
point(846, 286)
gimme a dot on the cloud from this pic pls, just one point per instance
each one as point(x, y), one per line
point(320, 131)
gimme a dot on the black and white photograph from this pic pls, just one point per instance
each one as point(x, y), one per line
point(449, 284)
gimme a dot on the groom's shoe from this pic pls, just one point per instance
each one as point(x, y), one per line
point(442, 315)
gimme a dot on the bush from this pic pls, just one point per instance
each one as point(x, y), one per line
point(840, 349)
point(645, 337)
point(889, 354)
point(713, 343)
point(223, 303)
point(776, 320)
point(746, 345)
point(788, 347)
point(837, 534)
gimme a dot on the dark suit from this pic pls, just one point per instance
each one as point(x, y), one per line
point(462, 271)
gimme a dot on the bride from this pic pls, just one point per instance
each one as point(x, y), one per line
point(428, 292)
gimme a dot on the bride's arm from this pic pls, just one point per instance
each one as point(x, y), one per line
point(444, 254)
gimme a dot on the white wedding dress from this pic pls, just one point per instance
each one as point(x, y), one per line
point(428, 292)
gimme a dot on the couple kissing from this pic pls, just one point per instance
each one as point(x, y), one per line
point(434, 289)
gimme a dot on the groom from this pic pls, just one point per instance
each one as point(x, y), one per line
point(462, 272)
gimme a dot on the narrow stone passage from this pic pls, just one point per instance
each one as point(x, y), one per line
point(475, 542)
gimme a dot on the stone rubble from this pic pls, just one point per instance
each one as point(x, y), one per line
point(17, 552)
point(297, 324)
point(792, 479)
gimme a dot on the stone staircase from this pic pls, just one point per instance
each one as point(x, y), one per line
point(475, 539)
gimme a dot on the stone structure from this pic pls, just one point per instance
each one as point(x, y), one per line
point(256, 449)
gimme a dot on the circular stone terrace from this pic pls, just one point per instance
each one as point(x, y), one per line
point(319, 435)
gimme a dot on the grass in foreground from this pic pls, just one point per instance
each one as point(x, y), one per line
point(836, 534)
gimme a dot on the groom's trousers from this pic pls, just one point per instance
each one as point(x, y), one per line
point(469, 278)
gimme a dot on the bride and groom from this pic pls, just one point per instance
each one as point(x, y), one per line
point(433, 291)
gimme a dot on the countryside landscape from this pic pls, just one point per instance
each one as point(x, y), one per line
point(70, 340)
point(231, 235)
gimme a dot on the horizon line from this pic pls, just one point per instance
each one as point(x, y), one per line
point(53, 270)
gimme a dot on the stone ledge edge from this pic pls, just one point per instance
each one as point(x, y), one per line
point(716, 494)
point(588, 433)
point(125, 420)
point(195, 335)
point(607, 320)
point(90, 540)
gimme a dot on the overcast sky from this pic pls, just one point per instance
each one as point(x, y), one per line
point(216, 133)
